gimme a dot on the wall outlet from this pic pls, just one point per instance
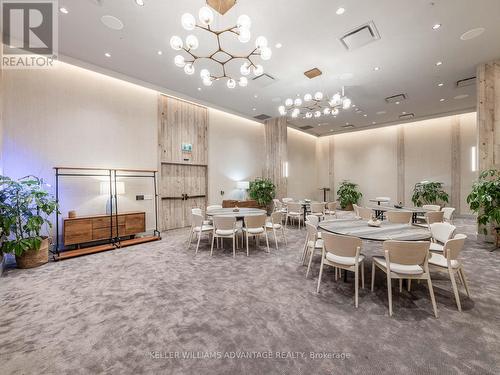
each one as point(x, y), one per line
point(143, 197)
point(139, 197)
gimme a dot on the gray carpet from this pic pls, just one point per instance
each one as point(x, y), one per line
point(134, 310)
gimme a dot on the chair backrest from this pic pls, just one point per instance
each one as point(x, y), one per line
point(399, 217)
point(331, 206)
point(312, 219)
point(213, 207)
point(453, 247)
point(276, 217)
point(318, 207)
point(356, 209)
point(344, 246)
point(197, 219)
point(434, 217)
point(365, 213)
point(286, 200)
point(196, 211)
point(448, 212)
point(442, 232)
point(224, 222)
point(431, 207)
point(312, 232)
point(277, 205)
point(255, 221)
point(294, 207)
point(407, 252)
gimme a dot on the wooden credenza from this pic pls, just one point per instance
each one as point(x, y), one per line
point(86, 229)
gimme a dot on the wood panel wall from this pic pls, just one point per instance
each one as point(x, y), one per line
point(276, 153)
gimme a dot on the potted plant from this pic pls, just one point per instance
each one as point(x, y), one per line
point(24, 210)
point(484, 200)
point(348, 195)
point(263, 191)
point(427, 192)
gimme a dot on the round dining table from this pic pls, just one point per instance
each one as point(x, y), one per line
point(387, 231)
point(239, 214)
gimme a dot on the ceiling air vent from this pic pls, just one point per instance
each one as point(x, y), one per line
point(262, 117)
point(360, 36)
point(264, 80)
point(307, 127)
point(396, 98)
point(407, 116)
point(466, 82)
point(313, 73)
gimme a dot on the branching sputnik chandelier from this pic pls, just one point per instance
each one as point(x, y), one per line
point(316, 105)
point(241, 30)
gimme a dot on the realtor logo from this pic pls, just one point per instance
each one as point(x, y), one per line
point(29, 30)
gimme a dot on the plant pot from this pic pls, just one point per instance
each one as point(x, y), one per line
point(349, 207)
point(34, 258)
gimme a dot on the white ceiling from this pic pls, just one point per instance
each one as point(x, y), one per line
point(309, 32)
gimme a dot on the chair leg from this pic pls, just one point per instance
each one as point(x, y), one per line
point(275, 238)
point(212, 247)
point(190, 238)
point(320, 274)
point(362, 265)
point(464, 279)
point(234, 245)
point(409, 284)
point(373, 275)
point(389, 293)
point(267, 242)
point(198, 244)
point(283, 232)
point(356, 286)
point(336, 270)
point(304, 252)
point(455, 290)
point(248, 252)
point(431, 292)
point(310, 261)
point(400, 285)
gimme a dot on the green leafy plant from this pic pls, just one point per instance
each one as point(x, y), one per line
point(262, 190)
point(348, 194)
point(484, 198)
point(428, 193)
point(24, 209)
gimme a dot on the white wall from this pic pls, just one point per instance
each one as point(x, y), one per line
point(236, 152)
point(301, 165)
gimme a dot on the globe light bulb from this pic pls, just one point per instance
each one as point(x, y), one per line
point(245, 69)
point(308, 97)
point(265, 53)
point(309, 114)
point(243, 82)
point(244, 36)
point(244, 21)
point(207, 81)
point(282, 110)
point(317, 114)
point(298, 102)
point(295, 112)
point(189, 69)
point(206, 16)
point(346, 103)
point(258, 70)
point(179, 61)
point(326, 111)
point(231, 83)
point(204, 73)
point(335, 111)
point(188, 21)
point(176, 43)
point(336, 99)
point(318, 95)
point(192, 42)
point(261, 42)
point(289, 102)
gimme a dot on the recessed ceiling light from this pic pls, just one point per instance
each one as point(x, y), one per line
point(381, 112)
point(398, 102)
point(436, 26)
point(256, 96)
point(403, 113)
point(140, 2)
point(462, 96)
point(441, 100)
point(199, 88)
point(374, 122)
point(160, 53)
point(439, 63)
point(440, 84)
point(332, 130)
point(474, 33)
point(377, 68)
point(340, 11)
point(365, 115)
point(107, 54)
point(278, 45)
point(112, 22)
point(254, 109)
point(64, 10)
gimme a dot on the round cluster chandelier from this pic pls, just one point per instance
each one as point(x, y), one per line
point(241, 30)
point(315, 106)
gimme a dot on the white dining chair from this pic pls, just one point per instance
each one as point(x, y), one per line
point(448, 214)
point(343, 253)
point(225, 227)
point(404, 260)
point(331, 209)
point(313, 244)
point(294, 212)
point(440, 233)
point(255, 226)
point(365, 213)
point(213, 207)
point(399, 217)
point(450, 261)
point(276, 225)
point(428, 207)
point(318, 209)
point(432, 217)
point(199, 228)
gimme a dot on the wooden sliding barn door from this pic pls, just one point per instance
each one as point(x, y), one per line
point(182, 139)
